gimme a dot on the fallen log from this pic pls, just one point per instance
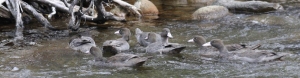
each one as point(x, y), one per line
point(37, 15)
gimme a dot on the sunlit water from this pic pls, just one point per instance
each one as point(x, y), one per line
point(278, 31)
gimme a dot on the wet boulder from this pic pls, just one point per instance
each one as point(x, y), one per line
point(249, 6)
point(206, 2)
point(146, 7)
point(210, 12)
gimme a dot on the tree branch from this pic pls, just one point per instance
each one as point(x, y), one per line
point(37, 15)
point(132, 9)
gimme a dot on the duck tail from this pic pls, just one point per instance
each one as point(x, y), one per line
point(173, 50)
point(275, 57)
point(139, 61)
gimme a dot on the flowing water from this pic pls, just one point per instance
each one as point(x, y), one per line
point(278, 31)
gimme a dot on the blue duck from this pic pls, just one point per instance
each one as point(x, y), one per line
point(82, 43)
point(199, 41)
point(144, 39)
point(112, 47)
point(118, 60)
point(249, 56)
point(163, 46)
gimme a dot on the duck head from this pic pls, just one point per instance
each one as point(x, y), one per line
point(199, 40)
point(217, 43)
point(151, 37)
point(125, 32)
point(166, 33)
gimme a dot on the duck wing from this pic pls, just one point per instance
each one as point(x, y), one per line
point(115, 46)
point(121, 57)
point(236, 47)
point(81, 44)
point(126, 60)
point(263, 56)
point(154, 47)
point(172, 48)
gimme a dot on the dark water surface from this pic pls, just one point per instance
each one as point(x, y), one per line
point(278, 31)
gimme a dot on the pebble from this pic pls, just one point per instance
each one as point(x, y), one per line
point(15, 69)
point(104, 72)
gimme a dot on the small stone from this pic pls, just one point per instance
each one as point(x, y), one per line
point(255, 22)
point(15, 57)
point(32, 43)
point(65, 65)
point(104, 72)
point(15, 69)
point(85, 58)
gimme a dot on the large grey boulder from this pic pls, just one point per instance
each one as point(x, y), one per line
point(210, 12)
point(249, 6)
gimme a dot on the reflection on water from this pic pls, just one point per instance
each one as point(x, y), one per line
point(277, 30)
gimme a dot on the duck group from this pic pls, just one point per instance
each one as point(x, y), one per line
point(157, 43)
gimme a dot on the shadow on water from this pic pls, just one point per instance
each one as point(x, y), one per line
point(278, 31)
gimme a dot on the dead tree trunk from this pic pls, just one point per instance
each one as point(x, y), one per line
point(14, 8)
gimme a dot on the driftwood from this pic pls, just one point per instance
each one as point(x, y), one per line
point(37, 15)
point(4, 12)
point(249, 6)
point(94, 13)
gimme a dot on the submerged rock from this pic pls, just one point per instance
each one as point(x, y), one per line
point(210, 12)
point(15, 69)
point(207, 2)
point(249, 6)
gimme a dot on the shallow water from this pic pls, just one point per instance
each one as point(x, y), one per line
point(276, 31)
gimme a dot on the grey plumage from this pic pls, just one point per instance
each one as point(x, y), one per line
point(118, 60)
point(119, 45)
point(144, 39)
point(82, 43)
point(247, 56)
point(163, 46)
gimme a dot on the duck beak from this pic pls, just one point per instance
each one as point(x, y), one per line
point(169, 35)
point(191, 40)
point(207, 44)
point(118, 32)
